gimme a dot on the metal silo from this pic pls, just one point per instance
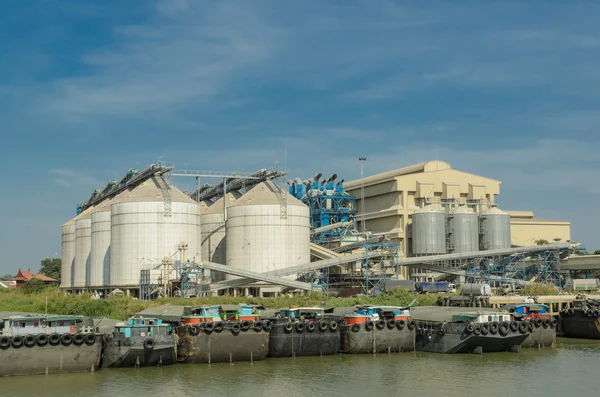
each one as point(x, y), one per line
point(428, 231)
point(83, 245)
point(143, 233)
point(99, 274)
point(464, 229)
point(260, 237)
point(68, 254)
point(495, 227)
point(213, 233)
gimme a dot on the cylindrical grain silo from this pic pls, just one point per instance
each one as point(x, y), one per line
point(213, 233)
point(68, 254)
point(99, 274)
point(143, 233)
point(83, 246)
point(464, 229)
point(428, 231)
point(259, 238)
point(495, 225)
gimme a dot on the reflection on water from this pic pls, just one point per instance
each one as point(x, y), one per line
point(568, 369)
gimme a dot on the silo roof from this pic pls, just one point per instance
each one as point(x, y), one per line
point(463, 210)
point(494, 211)
point(151, 191)
point(204, 204)
point(83, 215)
point(429, 209)
point(217, 206)
point(105, 205)
point(264, 194)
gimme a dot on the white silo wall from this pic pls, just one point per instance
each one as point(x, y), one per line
point(142, 236)
point(259, 240)
point(465, 230)
point(100, 250)
point(496, 229)
point(83, 245)
point(68, 255)
point(429, 232)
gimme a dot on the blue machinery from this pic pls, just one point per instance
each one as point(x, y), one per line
point(332, 210)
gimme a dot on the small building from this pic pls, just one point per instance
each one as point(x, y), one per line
point(8, 284)
point(24, 276)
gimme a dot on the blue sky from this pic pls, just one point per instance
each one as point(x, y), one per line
point(508, 90)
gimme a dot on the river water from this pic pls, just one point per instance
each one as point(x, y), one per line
point(569, 369)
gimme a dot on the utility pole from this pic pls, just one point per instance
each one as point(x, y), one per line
point(362, 161)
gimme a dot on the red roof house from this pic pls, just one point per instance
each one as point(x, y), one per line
point(24, 276)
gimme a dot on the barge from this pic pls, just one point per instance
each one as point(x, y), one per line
point(207, 336)
point(465, 330)
point(378, 329)
point(303, 331)
point(582, 320)
point(48, 344)
point(541, 324)
point(140, 342)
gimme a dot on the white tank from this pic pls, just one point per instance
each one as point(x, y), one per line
point(495, 226)
point(213, 233)
point(99, 274)
point(428, 231)
point(68, 254)
point(141, 234)
point(83, 245)
point(465, 230)
point(476, 289)
point(258, 239)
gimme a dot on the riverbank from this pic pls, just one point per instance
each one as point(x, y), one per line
point(56, 302)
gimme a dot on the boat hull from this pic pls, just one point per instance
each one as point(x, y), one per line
point(298, 341)
point(376, 340)
point(580, 325)
point(219, 347)
point(119, 356)
point(456, 339)
point(541, 337)
point(38, 360)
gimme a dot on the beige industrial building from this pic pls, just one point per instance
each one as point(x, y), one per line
point(390, 199)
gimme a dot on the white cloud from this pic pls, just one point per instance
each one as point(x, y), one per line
point(70, 177)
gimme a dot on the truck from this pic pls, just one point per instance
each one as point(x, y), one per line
point(435, 287)
point(509, 289)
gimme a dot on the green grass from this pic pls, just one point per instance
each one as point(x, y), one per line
point(121, 308)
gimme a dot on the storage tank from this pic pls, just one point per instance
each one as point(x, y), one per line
point(476, 289)
point(99, 274)
point(428, 231)
point(141, 234)
point(83, 245)
point(258, 239)
point(465, 230)
point(495, 227)
point(213, 233)
point(68, 254)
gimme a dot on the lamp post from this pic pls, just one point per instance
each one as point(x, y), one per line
point(362, 161)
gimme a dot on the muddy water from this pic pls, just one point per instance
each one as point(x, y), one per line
point(569, 369)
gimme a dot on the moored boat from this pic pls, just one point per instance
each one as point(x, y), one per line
point(582, 320)
point(378, 329)
point(46, 344)
point(540, 322)
point(206, 336)
point(466, 330)
point(140, 342)
point(303, 331)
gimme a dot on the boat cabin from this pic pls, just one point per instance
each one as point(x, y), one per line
point(365, 313)
point(23, 325)
point(143, 327)
point(313, 314)
point(528, 310)
point(201, 314)
point(241, 312)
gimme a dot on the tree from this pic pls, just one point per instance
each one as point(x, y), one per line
point(51, 268)
point(597, 252)
point(542, 242)
point(34, 285)
point(6, 277)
